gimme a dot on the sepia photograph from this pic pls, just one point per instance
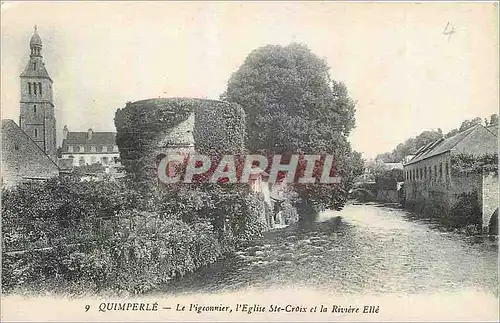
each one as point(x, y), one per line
point(244, 161)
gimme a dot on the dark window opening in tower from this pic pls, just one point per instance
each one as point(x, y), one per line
point(34, 108)
point(36, 133)
point(34, 66)
point(40, 88)
point(29, 87)
point(34, 88)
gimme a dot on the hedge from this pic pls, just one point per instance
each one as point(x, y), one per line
point(219, 128)
point(110, 237)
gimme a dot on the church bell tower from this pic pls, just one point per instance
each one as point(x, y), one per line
point(37, 116)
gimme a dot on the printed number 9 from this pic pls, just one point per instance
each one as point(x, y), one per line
point(87, 308)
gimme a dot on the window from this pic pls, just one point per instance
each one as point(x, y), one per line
point(93, 149)
point(70, 149)
point(425, 172)
point(435, 172)
point(446, 174)
point(34, 66)
point(34, 88)
point(93, 160)
point(440, 170)
point(16, 147)
point(115, 148)
point(104, 160)
point(430, 173)
point(81, 162)
point(40, 88)
point(29, 87)
point(82, 149)
point(34, 108)
point(36, 133)
point(104, 149)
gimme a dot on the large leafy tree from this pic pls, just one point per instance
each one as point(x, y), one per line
point(292, 105)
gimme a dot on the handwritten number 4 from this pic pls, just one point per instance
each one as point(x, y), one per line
point(448, 30)
point(87, 308)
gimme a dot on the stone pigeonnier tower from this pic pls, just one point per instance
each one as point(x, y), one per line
point(37, 117)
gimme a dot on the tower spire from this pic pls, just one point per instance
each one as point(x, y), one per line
point(36, 43)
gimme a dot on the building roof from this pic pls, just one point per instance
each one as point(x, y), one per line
point(10, 123)
point(39, 71)
point(97, 138)
point(6, 122)
point(493, 129)
point(441, 145)
point(391, 166)
point(35, 39)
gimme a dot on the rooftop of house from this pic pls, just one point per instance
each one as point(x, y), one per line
point(443, 145)
point(11, 124)
point(90, 138)
point(391, 166)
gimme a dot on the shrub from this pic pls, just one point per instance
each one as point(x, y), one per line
point(58, 211)
point(148, 250)
point(466, 211)
point(135, 252)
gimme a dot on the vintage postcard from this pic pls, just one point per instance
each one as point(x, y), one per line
point(249, 161)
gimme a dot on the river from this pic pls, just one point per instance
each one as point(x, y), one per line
point(362, 249)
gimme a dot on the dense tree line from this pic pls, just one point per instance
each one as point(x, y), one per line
point(411, 145)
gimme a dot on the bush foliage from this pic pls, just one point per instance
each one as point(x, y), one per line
point(468, 163)
point(113, 236)
point(465, 212)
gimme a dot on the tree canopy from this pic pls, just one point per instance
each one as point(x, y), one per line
point(292, 105)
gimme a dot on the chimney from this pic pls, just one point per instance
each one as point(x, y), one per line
point(89, 134)
point(65, 132)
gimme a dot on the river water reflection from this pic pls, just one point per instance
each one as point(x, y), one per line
point(370, 249)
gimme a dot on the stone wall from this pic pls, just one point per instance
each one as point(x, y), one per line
point(429, 194)
point(435, 195)
point(490, 198)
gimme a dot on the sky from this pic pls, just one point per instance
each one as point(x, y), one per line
point(397, 60)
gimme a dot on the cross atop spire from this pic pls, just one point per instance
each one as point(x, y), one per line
point(35, 29)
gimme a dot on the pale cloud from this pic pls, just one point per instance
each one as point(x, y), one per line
point(406, 75)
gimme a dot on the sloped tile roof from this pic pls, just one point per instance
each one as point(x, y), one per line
point(10, 123)
point(493, 129)
point(441, 145)
point(97, 138)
